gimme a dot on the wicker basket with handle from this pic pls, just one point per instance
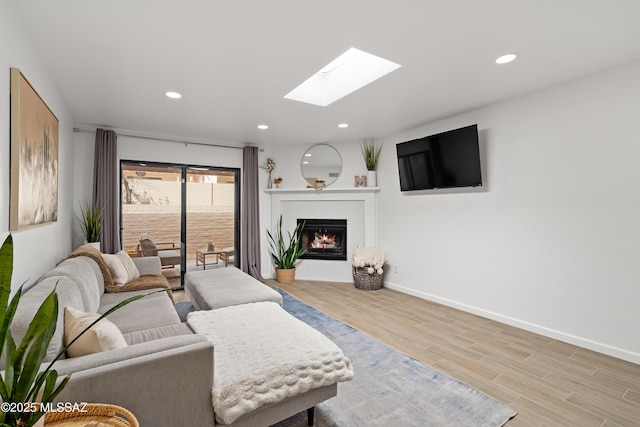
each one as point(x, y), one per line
point(97, 414)
point(365, 281)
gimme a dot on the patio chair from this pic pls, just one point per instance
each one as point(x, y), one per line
point(168, 252)
point(227, 254)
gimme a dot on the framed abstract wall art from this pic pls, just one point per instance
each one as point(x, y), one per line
point(34, 157)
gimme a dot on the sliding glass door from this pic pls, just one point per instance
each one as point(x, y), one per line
point(212, 222)
point(174, 211)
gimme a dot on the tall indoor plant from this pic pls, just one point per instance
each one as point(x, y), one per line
point(371, 154)
point(285, 252)
point(91, 223)
point(23, 380)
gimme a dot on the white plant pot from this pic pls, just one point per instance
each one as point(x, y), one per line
point(372, 179)
point(96, 245)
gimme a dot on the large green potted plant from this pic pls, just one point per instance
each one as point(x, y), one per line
point(91, 223)
point(371, 155)
point(285, 252)
point(23, 381)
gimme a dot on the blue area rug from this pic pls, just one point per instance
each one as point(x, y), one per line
point(390, 388)
point(183, 309)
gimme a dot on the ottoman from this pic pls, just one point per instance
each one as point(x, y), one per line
point(223, 287)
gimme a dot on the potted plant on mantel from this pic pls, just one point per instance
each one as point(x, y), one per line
point(371, 154)
point(23, 383)
point(91, 224)
point(286, 253)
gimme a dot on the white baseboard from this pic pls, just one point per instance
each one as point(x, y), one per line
point(531, 327)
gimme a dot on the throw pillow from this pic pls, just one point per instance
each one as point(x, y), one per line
point(123, 269)
point(102, 336)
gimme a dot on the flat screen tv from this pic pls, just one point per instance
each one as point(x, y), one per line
point(445, 160)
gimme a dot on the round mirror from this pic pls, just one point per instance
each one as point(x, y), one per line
point(321, 162)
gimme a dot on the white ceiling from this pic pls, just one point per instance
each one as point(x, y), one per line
point(234, 60)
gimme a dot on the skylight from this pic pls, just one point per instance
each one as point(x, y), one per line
point(347, 73)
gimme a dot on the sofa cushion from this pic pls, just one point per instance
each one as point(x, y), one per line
point(148, 265)
point(152, 311)
point(85, 273)
point(68, 296)
point(93, 253)
point(139, 337)
point(122, 268)
point(102, 336)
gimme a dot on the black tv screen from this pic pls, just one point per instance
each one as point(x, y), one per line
point(445, 160)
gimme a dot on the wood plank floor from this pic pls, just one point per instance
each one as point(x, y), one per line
point(549, 383)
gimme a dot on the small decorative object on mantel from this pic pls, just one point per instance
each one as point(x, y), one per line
point(368, 272)
point(277, 181)
point(210, 246)
point(360, 181)
point(269, 166)
point(371, 154)
point(319, 184)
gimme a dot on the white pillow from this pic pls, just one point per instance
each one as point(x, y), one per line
point(123, 269)
point(102, 336)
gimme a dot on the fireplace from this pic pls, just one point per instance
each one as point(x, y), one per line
point(324, 238)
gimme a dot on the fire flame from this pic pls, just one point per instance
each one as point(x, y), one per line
point(323, 240)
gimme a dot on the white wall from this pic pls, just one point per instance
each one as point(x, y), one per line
point(551, 242)
point(38, 249)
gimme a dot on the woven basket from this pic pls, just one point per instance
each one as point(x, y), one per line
point(110, 415)
point(365, 281)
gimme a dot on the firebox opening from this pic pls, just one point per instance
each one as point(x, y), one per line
point(324, 238)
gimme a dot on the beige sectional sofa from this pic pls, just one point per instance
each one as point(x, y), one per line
point(165, 373)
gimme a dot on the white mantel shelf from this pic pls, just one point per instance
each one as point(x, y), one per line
point(326, 190)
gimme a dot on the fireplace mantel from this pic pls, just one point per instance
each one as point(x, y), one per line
point(325, 190)
point(356, 204)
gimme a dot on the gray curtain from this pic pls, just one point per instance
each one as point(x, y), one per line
point(250, 221)
point(105, 188)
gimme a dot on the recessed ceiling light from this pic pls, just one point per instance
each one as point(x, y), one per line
point(263, 127)
point(307, 154)
point(343, 125)
point(173, 95)
point(504, 59)
point(345, 74)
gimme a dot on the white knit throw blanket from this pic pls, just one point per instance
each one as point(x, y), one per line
point(262, 354)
